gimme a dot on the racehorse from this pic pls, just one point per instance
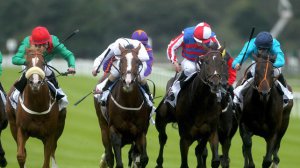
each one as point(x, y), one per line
point(263, 113)
point(197, 111)
point(37, 114)
point(128, 114)
point(3, 125)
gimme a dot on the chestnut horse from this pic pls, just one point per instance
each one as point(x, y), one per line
point(197, 111)
point(37, 113)
point(263, 113)
point(128, 114)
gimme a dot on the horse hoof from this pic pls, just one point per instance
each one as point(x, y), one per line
point(274, 165)
point(215, 164)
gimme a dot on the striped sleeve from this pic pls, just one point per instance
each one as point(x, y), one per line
point(173, 46)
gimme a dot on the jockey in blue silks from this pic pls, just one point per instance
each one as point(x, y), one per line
point(263, 41)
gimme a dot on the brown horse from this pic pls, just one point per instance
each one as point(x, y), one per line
point(3, 125)
point(197, 112)
point(128, 115)
point(263, 113)
point(37, 113)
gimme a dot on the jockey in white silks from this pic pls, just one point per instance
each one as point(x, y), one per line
point(263, 41)
point(101, 90)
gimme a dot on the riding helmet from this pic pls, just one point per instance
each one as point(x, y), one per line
point(140, 35)
point(202, 33)
point(40, 35)
point(264, 40)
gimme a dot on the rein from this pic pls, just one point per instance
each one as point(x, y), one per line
point(127, 108)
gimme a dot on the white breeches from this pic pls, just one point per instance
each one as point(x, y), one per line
point(189, 67)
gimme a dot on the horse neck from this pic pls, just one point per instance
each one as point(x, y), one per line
point(132, 97)
point(198, 87)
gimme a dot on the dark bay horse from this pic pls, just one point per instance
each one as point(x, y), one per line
point(37, 113)
point(197, 112)
point(263, 113)
point(128, 115)
point(3, 125)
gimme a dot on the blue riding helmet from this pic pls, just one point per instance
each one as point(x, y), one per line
point(264, 40)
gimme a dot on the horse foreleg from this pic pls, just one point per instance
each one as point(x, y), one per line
point(270, 148)
point(21, 152)
point(3, 161)
point(225, 152)
point(162, 136)
point(214, 143)
point(49, 149)
point(116, 140)
point(184, 149)
point(140, 157)
point(201, 152)
point(247, 146)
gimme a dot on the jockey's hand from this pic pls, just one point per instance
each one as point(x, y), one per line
point(177, 67)
point(237, 67)
point(94, 72)
point(71, 71)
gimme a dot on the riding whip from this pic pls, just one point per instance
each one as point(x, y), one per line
point(71, 35)
point(75, 104)
point(97, 70)
point(251, 35)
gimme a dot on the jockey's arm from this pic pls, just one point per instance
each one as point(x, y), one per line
point(280, 61)
point(18, 58)
point(173, 46)
point(105, 55)
point(64, 53)
point(238, 60)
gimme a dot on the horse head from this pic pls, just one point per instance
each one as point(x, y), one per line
point(129, 66)
point(213, 69)
point(35, 67)
point(263, 79)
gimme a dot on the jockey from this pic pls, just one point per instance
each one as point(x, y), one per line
point(114, 51)
point(41, 38)
point(141, 36)
point(2, 92)
point(263, 42)
point(193, 40)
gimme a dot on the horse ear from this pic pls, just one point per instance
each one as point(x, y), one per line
point(255, 57)
point(122, 49)
point(137, 48)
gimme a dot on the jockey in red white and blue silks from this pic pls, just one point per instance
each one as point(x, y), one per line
point(193, 41)
point(191, 50)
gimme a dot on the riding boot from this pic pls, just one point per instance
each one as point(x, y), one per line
point(107, 85)
point(105, 88)
point(2, 89)
point(147, 90)
point(20, 85)
point(180, 80)
point(53, 80)
point(282, 80)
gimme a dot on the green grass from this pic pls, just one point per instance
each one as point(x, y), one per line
point(80, 145)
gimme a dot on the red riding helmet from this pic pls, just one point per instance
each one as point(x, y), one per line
point(202, 33)
point(40, 35)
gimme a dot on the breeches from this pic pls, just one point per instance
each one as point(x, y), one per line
point(189, 67)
